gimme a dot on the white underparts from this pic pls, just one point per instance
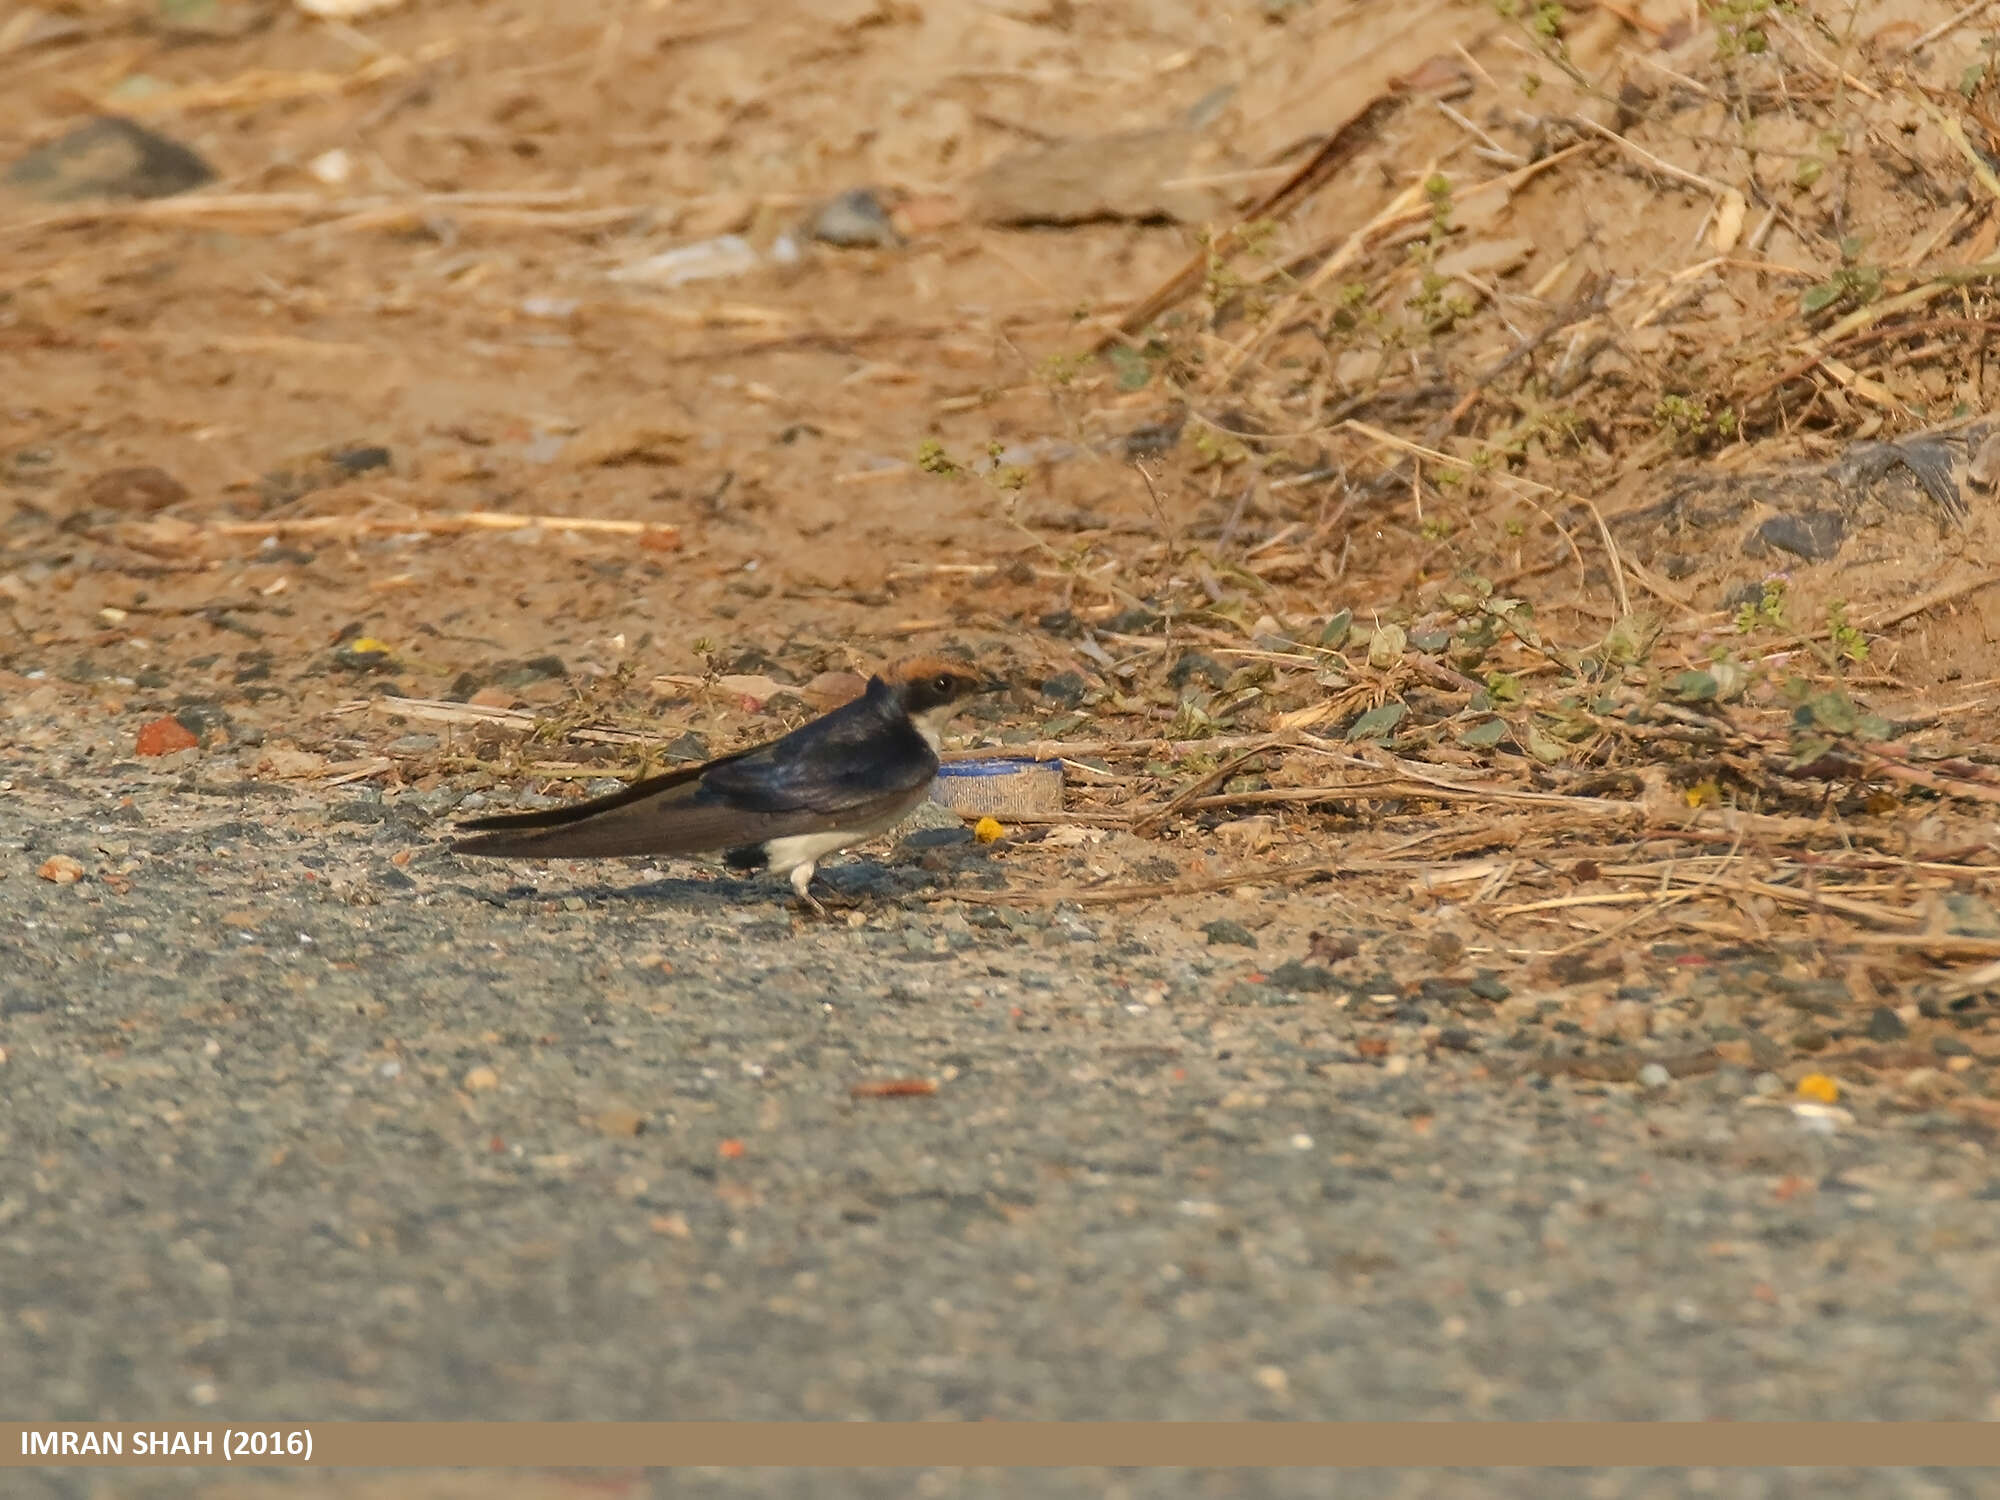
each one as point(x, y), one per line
point(797, 855)
point(802, 851)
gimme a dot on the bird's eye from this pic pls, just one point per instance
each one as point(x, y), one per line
point(942, 684)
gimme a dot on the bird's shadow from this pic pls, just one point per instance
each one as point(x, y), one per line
point(853, 885)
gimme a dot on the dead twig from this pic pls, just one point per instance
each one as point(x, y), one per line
point(1339, 148)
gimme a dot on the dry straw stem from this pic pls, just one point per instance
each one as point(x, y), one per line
point(1863, 911)
point(1825, 64)
point(1932, 945)
point(1934, 283)
point(356, 770)
point(1955, 133)
point(1147, 822)
point(1648, 159)
point(1411, 206)
point(1652, 583)
point(518, 720)
point(1883, 619)
point(1663, 900)
point(1985, 977)
point(1335, 152)
point(1292, 874)
point(1072, 749)
point(262, 86)
point(450, 523)
point(553, 208)
point(1949, 25)
point(1511, 833)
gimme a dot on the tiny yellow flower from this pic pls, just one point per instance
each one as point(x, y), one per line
point(1819, 1088)
point(986, 830)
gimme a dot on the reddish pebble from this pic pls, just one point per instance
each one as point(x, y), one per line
point(164, 736)
point(730, 1149)
point(893, 1088)
point(660, 539)
point(61, 869)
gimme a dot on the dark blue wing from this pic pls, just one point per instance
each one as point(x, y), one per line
point(857, 755)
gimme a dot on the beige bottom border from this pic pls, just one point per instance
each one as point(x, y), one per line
point(495, 1445)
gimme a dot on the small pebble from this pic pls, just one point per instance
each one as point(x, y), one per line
point(1769, 1085)
point(479, 1080)
point(619, 1120)
point(1445, 948)
point(1067, 689)
point(108, 157)
point(1653, 1077)
point(61, 869)
point(856, 218)
point(1223, 930)
point(1884, 1025)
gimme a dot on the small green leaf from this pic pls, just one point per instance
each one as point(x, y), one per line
point(1385, 647)
point(1518, 615)
point(1377, 722)
point(1631, 639)
point(1692, 687)
point(1539, 745)
point(1335, 630)
point(1731, 678)
point(1485, 736)
point(1133, 369)
point(1832, 711)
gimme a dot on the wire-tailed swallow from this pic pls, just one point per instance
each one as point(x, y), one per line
point(783, 805)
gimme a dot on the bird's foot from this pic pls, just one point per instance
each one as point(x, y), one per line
point(802, 888)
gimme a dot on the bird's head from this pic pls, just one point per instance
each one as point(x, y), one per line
point(933, 688)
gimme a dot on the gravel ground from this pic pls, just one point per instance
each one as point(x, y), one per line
point(298, 1121)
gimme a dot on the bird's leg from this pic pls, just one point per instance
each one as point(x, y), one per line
point(801, 887)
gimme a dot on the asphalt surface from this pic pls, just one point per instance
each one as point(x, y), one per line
point(293, 1125)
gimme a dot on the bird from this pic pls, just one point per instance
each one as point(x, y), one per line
point(780, 806)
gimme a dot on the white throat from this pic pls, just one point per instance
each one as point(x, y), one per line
point(930, 723)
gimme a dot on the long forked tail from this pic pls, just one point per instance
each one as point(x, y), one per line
point(634, 820)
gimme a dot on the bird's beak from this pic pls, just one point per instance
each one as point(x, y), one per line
point(995, 685)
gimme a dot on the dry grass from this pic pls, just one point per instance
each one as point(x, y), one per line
point(1426, 411)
